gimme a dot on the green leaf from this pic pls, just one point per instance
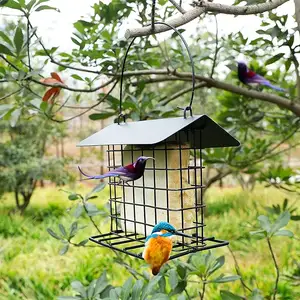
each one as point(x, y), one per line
point(126, 288)
point(64, 249)
point(30, 4)
point(150, 287)
point(84, 242)
point(78, 287)
point(44, 106)
point(101, 284)
point(219, 262)
point(96, 189)
point(101, 116)
point(264, 223)
point(92, 209)
point(179, 288)
point(78, 210)
point(73, 229)
point(6, 38)
point(68, 298)
point(222, 279)
point(181, 297)
point(18, 40)
point(281, 221)
point(256, 295)
point(3, 2)
point(46, 7)
point(284, 233)
point(173, 279)
point(274, 58)
point(226, 295)
point(5, 50)
point(73, 197)
point(13, 4)
point(77, 77)
point(62, 230)
point(53, 234)
point(137, 288)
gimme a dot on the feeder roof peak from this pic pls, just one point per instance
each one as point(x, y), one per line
point(152, 132)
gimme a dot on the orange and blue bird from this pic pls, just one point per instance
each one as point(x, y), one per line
point(158, 245)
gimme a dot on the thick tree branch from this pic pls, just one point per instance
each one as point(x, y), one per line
point(271, 98)
point(204, 6)
point(239, 10)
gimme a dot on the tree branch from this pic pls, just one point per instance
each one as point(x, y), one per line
point(271, 98)
point(239, 10)
point(204, 6)
point(10, 94)
point(178, 7)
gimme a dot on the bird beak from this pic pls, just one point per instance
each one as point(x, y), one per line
point(183, 234)
point(150, 158)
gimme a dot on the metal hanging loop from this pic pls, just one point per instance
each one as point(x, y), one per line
point(187, 108)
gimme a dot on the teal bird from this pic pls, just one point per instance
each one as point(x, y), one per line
point(158, 245)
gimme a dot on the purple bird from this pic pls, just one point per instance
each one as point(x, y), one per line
point(247, 76)
point(128, 173)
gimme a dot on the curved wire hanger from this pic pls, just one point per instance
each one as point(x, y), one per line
point(153, 23)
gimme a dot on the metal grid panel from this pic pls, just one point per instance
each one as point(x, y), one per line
point(171, 190)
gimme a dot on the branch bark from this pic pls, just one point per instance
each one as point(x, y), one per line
point(271, 98)
point(202, 7)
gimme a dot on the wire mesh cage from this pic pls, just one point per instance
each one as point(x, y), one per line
point(171, 188)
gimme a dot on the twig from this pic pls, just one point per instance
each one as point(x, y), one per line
point(216, 48)
point(182, 92)
point(10, 94)
point(28, 44)
point(90, 108)
point(276, 267)
point(178, 6)
point(238, 271)
point(203, 290)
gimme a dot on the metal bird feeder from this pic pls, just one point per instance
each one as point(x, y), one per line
point(172, 186)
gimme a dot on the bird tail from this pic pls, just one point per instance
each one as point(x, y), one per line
point(274, 87)
point(92, 177)
point(155, 270)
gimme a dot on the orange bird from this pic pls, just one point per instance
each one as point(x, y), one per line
point(158, 245)
point(54, 91)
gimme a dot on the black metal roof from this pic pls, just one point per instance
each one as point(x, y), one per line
point(155, 131)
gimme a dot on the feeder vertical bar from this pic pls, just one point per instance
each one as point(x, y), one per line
point(196, 185)
point(115, 189)
point(133, 195)
point(144, 202)
point(154, 186)
point(201, 184)
point(181, 185)
point(124, 196)
point(167, 181)
point(110, 191)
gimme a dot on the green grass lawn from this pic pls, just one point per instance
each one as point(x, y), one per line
point(31, 267)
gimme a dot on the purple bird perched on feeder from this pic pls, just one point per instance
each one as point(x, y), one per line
point(247, 76)
point(127, 173)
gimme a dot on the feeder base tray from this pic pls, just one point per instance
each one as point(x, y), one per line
point(133, 244)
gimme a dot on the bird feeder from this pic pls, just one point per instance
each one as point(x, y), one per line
point(172, 186)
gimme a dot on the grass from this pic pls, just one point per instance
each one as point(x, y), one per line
point(31, 268)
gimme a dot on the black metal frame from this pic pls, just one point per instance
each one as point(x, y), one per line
point(131, 241)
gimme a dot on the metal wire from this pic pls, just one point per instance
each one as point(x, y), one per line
point(186, 109)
